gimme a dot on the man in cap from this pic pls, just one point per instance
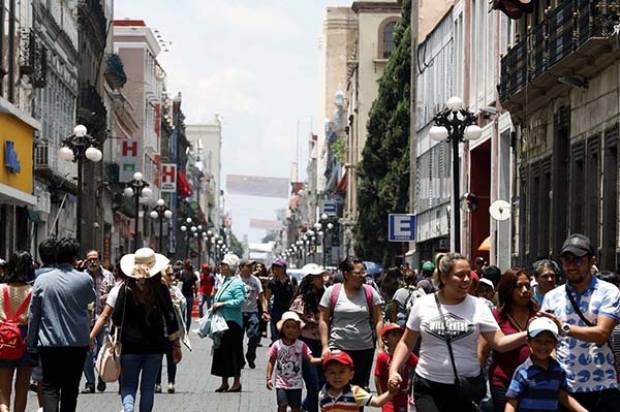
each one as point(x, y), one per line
point(207, 282)
point(587, 310)
point(282, 290)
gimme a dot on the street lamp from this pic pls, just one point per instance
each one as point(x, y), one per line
point(138, 188)
point(455, 124)
point(189, 231)
point(324, 227)
point(161, 211)
point(76, 148)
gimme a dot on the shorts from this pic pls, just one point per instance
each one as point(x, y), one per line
point(290, 397)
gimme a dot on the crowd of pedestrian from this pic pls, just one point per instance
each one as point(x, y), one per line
point(450, 337)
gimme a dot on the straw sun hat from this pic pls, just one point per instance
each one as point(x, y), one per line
point(143, 264)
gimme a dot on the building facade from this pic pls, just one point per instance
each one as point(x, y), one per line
point(566, 116)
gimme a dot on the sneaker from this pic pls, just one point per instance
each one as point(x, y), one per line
point(89, 388)
point(101, 386)
point(171, 388)
point(157, 388)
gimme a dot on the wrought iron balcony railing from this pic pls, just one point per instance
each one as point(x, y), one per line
point(565, 29)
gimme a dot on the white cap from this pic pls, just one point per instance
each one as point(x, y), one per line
point(488, 283)
point(540, 325)
point(312, 269)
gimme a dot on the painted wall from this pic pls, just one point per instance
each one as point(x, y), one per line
point(12, 129)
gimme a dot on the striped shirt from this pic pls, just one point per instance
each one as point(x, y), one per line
point(350, 399)
point(535, 388)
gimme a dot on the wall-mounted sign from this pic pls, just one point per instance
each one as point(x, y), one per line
point(168, 177)
point(129, 160)
point(11, 162)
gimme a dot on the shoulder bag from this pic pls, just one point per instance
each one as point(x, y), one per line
point(108, 363)
point(468, 390)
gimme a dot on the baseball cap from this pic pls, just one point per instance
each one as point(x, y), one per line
point(312, 269)
point(487, 282)
point(428, 266)
point(540, 325)
point(289, 316)
point(338, 356)
point(279, 262)
point(578, 245)
point(390, 327)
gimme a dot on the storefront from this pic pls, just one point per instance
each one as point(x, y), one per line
point(16, 178)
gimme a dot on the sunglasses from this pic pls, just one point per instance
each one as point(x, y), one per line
point(522, 285)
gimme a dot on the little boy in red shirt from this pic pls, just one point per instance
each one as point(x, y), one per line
point(391, 334)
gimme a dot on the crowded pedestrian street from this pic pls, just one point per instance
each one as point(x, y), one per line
point(194, 388)
point(310, 205)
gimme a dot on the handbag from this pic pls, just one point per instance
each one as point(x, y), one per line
point(469, 390)
point(108, 363)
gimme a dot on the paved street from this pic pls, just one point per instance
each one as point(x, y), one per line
point(194, 388)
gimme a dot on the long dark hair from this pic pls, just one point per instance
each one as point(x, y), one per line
point(145, 292)
point(20, 268)
point(506, 287)
point(310, 295)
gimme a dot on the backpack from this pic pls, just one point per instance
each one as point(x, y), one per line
point(12, 343)
point(403, 312)
point(333, 298)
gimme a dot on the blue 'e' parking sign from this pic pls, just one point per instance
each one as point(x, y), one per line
point(401, 228)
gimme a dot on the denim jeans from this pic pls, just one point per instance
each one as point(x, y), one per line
point(208, 299)
point(188, 311)
point(276, 315)
point(252, 331)
point(132, 366)
point(91, 356)
point(313, 377)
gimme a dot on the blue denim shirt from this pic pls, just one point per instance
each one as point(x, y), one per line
point(232, 294)
point(59, 308)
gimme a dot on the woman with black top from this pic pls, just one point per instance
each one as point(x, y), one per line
point(147, 322)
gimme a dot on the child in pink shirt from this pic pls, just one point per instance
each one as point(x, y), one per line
point(286, 355)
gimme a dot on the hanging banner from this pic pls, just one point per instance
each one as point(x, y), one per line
point(168, 178)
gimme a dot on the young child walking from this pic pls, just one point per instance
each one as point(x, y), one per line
point(286, 356)
point(402, 402)
point(540, 382)
point(338, 395)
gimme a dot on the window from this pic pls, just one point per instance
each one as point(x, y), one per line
point(386, 37)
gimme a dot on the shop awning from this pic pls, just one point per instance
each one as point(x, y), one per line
point(514, 9)
point(485, 246)
point(13, 196)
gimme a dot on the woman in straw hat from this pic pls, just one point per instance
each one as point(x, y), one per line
point(147, 322)
point(228, 356)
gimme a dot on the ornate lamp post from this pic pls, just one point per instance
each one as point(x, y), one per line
point(208, 236)
point(189, 230)
point(324, 226)
point(161, 211)
point(76, 148)
point(455, 124)
point(138, 188)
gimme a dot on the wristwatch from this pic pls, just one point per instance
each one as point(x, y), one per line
point(565, 329)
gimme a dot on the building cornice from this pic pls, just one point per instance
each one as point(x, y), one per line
point(376, 7)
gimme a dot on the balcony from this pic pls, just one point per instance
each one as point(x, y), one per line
point(33, 58)
point(114, 71)
point(92, 20)
point(575, 38)
point(47, 165)
point(91, 111)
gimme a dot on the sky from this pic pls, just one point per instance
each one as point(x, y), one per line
point(256, 64)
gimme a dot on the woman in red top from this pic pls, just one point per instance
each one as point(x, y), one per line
point(516, 308)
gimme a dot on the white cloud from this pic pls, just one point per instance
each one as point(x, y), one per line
point(249, 18)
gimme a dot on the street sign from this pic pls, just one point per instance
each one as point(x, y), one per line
point(330, 208)
point(401, 228)
point(168, 178)
point(128, 160)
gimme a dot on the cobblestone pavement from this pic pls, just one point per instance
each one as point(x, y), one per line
point(194, 388)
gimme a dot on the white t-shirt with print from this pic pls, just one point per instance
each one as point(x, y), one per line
point(289, 359)
point(253, 288)
point(465, 322)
